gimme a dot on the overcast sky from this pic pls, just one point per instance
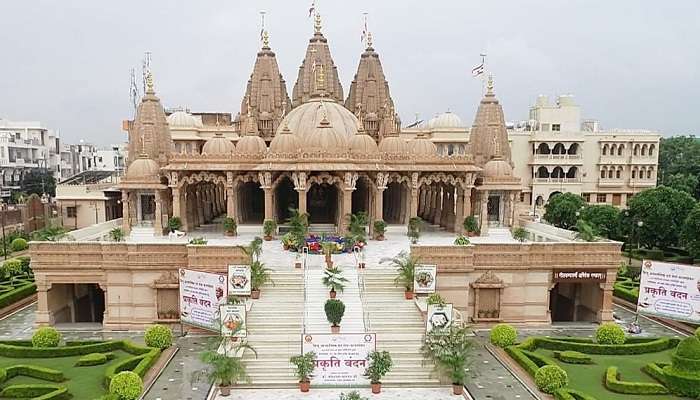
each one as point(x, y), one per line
point(630, 63)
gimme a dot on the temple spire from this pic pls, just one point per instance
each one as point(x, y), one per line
point(489, 85)
point(317, 23)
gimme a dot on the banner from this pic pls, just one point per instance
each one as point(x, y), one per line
point(340, 359)
point(424, 278)
point(233, 320)
point(439, 317)
point(580, 276)
point(670, 291)
point(239, 280)
point(201, 293)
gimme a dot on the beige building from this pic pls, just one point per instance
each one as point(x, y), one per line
point(89, 198)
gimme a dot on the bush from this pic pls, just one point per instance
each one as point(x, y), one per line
point(613, 384)
point(380, 364)
point(570, 394)
point(461, 240)
point(46, 337)
point(573, 357)
point(91, 359)
point(655, 254)
point(503, 335)
point(19, 293)
point(38, 391)
point(588, 347)
point(682, 383)
point(686, 358)
point(470, 224)
point(697, 333)
point(335, 309)
point(158, 336)
point(610, 333)
point(33, 371)
point(550, 378)
point(174, 223)
point(19, 244)
point(126, 385)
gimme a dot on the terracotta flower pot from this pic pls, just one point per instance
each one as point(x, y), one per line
point(376, 388)
point(229, 233)
point(457, 389)
point(361, 265)
point(255, 294)
point(408, 294)
point(329, 264)
point(332, 294)
point(380, 237)
point(335, 329)
point(225, 391)
point(304, 386)
point(267, 238)
point(297, 265)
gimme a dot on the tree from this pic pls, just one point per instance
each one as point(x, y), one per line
point(684, 182)
point(663, 211)
point(679, 155)
point(690, 234)
point(38, 182)
point(561, 210)
point(603, 218)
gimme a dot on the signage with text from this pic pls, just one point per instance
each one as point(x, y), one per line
point(579, 275)
point(341, 360)
point(670, 291)
point(239, 280)
point(424, 278)
point(201, 293)
point(233, 318)
point(439, 317)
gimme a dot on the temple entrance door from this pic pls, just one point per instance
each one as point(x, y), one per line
point(360, 197)
point(147, 207)
point(575, 302)
point(251, 203)
point(322, 203)
point(285, 198)
point(493, 209)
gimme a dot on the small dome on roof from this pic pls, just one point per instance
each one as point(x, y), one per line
point(182, 119)
point(422, 146)
point(285, 142)
point(304, 119)
point(143, 169)
point(393, 144)
point(363, 143)
point(250, 144)
point(218, 145)
point(497, 167)
point(445, 120)
point(326, 137)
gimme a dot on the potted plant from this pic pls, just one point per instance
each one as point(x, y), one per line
point(199, 241)
point(269, 227)
point(174, 224)
point(259, 275)
point(436, 299)
point(230, 226)
point(304, 365)
point(254, 249)
point(449, 348)
point(414, 229)
point(357, 226)
point(520, 234)
point(223, 368)
point(461, 240)
point(116, 235)
point(335, 309)
point(405, 265)
point(334, 280)
point(380, 364)
point(471, 226)
point(328, 249)
point(379, 229)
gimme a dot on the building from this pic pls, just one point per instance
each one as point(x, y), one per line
point(88, 198)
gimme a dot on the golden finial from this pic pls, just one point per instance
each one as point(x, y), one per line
point(149, 82)
point(320, 76)
point(489, 85)
point(266, 39)
point(317, 22)
point(369, 40)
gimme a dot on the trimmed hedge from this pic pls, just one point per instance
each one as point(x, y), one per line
point(36, 391)
point(160, 336)
point(19, 244)
point(138, 364)
point(47, 374)
point(13, 351)
point(610, 333)
point(682, 383)
point(652, 346)
point(614, 384)
point(91, 359)
point(626, 293)
point(573, 357)
point(522, 359)
point(46, 336)
point(570, 394)
point(503, 335)
point(126, 385)
point(19, 293)
point(550, 378)
point(655, 370)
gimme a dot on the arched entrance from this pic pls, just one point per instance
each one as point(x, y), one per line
point(395, 203)
point(574, 302)
point(361, 196)
point(322, 203)
point(285, 198)
point(251, 203)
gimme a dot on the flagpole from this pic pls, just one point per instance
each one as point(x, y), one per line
point(483, 74)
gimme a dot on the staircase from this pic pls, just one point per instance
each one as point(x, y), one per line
point(317, 294)
point(142, 234)
point(400, 330)
point(321, 229)
point(274, 331)
point(500, 235)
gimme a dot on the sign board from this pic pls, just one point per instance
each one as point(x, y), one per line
point(670, 291)
point(425, 278)
point(233, 320)
point(439, 317)
point(341, 359)
point(579, 275)
point(239, 280)
point(201, 293)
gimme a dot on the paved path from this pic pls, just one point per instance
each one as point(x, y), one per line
point(333, 394)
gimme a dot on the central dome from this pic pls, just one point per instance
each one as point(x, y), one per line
point(305, 118)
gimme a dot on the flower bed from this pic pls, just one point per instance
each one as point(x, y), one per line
point(313, 243)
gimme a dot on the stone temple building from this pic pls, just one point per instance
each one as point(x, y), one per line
point(319, 152)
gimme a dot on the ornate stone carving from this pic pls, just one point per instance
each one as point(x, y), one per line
point(174, 177)
point(350, 180)
point(488, 279)
point(382, 180)
point(299, 179)
point(265, 180)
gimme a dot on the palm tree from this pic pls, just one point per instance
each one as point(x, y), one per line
point(405, 264)
point(254, 249)
point(334, 280)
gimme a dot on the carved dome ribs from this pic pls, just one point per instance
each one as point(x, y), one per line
point(305, 119)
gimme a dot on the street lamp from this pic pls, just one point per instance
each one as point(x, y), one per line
point(630, 237)
point(4, 243)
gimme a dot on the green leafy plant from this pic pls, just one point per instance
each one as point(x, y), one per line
point(174, 224)
point(298, 224)
point(380, 364)
point(380, 227)
point(405, 265)
point(158, 336)
point(333, 279)
point(329, 247)
point(562, 210)
point(126, 385)
point(697, 333)
point(435, 298)
point(199, 241)
point(520, 234)
point(610, 333)
point(573, 357)
point(269, 227)
point(304, 365)
point(449, 349)
point(19, 244)
point(254, 249)
point(356, 226)
point(470, 224)
point(585, 231)
point(46, 336)
point(230, 226)
point(259, 275)
point(226, 368)
point(354, 395)
point(116, 235)
point(335, 309)
point(503, 335)
point(461, 240)
point(414, 228)
point(50, 234)
point(549, 378)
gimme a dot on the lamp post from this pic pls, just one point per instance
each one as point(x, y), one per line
point(630, 237)
point(4, 243)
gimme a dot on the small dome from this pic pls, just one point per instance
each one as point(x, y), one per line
point(250, 144)
point(143, 169)
point(445, 120)
point(326, 137)
point(218, 145)
point(363, 143)
point(393, 144)
point(285, 142)
point(305, 118)
point(497, 167)
point(421, 146)
point(182, 119)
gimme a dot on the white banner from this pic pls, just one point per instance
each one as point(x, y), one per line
point(239, 280)
point(233, 320)
point(341, 359)
point(438, 317)
point(670, 291)
point(201, 293)
point(424, 278)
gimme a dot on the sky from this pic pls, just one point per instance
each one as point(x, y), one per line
point(629, 63)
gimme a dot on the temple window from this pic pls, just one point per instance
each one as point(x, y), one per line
point(556, 127)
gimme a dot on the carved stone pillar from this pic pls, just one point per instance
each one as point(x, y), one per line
point(458, 226)
point(158, 222)
point(445, 212)
point(347, 208)
point(268, 203)
point(126, 217)
point(511, 208)
point(484, 213)
point(467, 202)
point(43, 314)
point(379, 204)
point(199, 207)
point(414, 203)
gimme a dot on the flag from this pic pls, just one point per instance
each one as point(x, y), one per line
point(312, 8)
point(478, 70)
point(364, 32)
point(262, 33)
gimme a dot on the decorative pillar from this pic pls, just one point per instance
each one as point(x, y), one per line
point(231, 203)
point(467, 202)
point(350, 185)
point(414, 203)
point(458, 226)
point(382, 181)
point(44, 316)
point(484, 213)
point(126, 218)
point(268, 203)
point(439, 204)
point(158, 223)
point(199, 207)
point(186, 214)
point(511, 209)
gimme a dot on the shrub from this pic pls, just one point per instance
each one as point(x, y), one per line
point(470, 224)
point(655, 254)
point(39, 391)
point(46, 336)
point(697, 333)
point(686, 358)
point(116, 235)
point(354, 395)
point(158, 336)
point(269, 227)
point(92, 359)
point(379, 227)
point(682, 383)
point(200, 241)
point(304, 365)
point(335, 309)
point(573, 357)
point(650, 345)
point(570, 394)
point(380, 364)
point(610, 333)
point(550, 378)
point(435, 298)
point(33, 371)
point(230, 225)
point(19, 244)
point(520, 234)
point(461, 240)
point(449, 348)
point(503, 335)
point(614, 384)
point(126, 385)
point(174, 223)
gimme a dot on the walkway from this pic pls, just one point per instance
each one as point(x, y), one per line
point(333, 394)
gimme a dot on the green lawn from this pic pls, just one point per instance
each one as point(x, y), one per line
point(589, 378)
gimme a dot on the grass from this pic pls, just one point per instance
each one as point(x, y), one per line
point(589, 378)
point(85, 383)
